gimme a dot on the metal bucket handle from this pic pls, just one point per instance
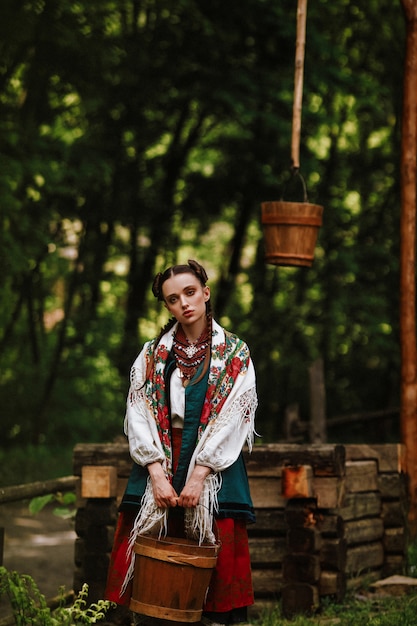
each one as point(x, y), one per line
point(295, 174)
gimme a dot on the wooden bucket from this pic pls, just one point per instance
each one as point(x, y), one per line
point(290, 232)
point(171, 577)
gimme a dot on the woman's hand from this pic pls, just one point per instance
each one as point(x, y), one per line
point(190, 495)
point(164, 493)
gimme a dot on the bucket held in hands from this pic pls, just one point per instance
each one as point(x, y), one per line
point(171, 577)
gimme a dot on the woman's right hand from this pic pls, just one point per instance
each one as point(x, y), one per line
point(164, 493)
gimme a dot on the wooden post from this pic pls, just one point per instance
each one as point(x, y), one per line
point(297, 482)
point(98, 481)
point(292, 421)
point(301, 569)
point(408, 260)
point(318, 431)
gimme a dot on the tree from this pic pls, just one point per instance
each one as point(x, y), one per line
point(137, 134)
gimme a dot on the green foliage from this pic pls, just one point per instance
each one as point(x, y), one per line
point(66, 510)
point(138, 135)
point(27, 464)
point(30, 607)
point(37, 504)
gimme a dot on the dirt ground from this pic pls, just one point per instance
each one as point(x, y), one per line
point(41, 545)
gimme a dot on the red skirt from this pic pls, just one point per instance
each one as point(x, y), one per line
point(231, 583)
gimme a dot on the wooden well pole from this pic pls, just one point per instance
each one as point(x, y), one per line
point(408, 259)
point(300, 45)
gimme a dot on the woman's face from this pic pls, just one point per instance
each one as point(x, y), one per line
point(185, 298)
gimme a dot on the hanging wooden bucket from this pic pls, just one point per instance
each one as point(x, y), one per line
point(290, 232)
point(171, 577)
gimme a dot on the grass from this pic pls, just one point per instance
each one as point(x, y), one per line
point(354, 611)
point(361, 607)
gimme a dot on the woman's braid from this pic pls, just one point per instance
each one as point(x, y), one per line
point(199, 271)
point(157, 286)
point(192, 267)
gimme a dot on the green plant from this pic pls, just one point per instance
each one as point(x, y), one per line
point(29, 605)
point(65, 501)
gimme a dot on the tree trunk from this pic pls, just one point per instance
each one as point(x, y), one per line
point(407, 259)
point(318, 430)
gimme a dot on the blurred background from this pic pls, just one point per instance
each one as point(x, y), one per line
point(135, 134)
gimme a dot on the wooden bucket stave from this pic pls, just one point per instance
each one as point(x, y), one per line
point(290, 232)
point(171, 577)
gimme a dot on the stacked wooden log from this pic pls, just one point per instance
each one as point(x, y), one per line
point(340, 518)
point(267, 538)
point(390, 485)
point(94, 525)
point(103, 470)
point(327, 516)
point(298, 484)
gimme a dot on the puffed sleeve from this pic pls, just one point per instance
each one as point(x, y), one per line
point(139, 424)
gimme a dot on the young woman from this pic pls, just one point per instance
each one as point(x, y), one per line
point(190, 410)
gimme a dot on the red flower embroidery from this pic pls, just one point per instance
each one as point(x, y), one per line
point(162, 354)
point(205, 413)
point(235, 367)
point(165, 440)
point(221, 350)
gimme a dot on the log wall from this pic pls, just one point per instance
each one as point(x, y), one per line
point(327, 516)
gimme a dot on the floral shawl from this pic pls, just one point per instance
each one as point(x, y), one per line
point(229, 359)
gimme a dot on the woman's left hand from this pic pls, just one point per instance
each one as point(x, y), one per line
point(190, 495)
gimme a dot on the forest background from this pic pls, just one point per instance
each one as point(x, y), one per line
point(135, 134)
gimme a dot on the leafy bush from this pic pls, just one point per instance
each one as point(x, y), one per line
point(29, 605)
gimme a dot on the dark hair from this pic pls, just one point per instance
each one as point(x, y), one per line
point(199, 272)
point(192, 268)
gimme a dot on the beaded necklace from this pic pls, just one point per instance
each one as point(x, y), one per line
point(189, 355)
